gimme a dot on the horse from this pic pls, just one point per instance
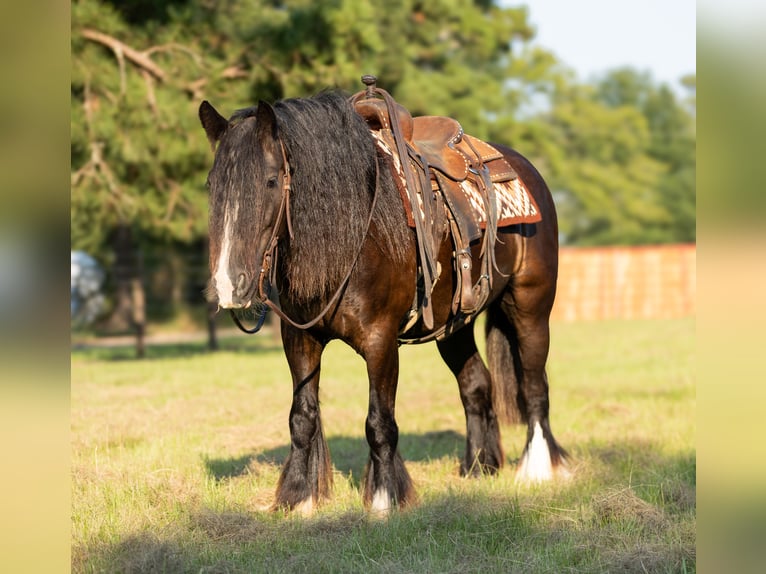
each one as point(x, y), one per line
point(300, 199)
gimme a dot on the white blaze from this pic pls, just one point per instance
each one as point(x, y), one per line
point(223, 284)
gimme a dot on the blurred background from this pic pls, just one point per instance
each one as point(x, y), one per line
point(510, 71)
point(601, 97)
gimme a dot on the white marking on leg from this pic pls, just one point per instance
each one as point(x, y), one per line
point(223, 284)
point(381, 501)
point(535, 465)
point(305, 508)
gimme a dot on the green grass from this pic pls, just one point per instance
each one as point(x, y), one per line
point(175, 456)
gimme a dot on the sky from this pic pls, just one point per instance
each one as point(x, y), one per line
point(594, 36)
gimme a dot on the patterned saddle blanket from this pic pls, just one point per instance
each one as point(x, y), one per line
point(513, 202)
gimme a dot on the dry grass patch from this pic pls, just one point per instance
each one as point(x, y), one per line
point(623, 506)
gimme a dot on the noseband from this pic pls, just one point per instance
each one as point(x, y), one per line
point(269, 263)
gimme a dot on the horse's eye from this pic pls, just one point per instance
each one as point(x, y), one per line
point(272, 183)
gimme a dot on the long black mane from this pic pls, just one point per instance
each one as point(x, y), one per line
point(333, 160)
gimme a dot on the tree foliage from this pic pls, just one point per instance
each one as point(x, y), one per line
point(136, 160)
point(619, 154)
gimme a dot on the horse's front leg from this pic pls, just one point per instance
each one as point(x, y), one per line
point(307, 474)
point(387, 482)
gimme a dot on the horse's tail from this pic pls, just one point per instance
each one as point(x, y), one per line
point(504, 367)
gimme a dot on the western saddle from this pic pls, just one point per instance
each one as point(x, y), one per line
point(431, 157)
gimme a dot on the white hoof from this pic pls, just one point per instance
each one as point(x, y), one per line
point(305, 508)
point(381, 503)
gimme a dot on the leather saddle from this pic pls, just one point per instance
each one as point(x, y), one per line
point(433, 138)
point(433, 158)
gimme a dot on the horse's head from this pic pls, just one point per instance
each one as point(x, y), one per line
point(245, 196)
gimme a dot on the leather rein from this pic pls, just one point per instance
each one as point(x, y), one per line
point(269, 263)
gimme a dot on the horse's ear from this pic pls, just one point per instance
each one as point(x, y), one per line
point(266, 122)
point(213, 122)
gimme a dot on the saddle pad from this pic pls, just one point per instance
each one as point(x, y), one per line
point(514, 202)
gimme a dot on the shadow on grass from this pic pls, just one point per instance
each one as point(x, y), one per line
point(349, 454)
point(585, 526)
point(124, 351)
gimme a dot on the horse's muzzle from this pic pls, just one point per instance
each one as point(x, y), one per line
point(237, 294)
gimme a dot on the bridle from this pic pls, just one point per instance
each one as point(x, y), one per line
point(269, 263)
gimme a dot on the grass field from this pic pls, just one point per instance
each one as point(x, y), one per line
point(174, 457)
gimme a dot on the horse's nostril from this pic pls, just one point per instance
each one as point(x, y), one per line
point(241, 283)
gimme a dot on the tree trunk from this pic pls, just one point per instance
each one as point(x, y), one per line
point(138, 297)
point(178, 279)
point(129, 313)
point(120, 319)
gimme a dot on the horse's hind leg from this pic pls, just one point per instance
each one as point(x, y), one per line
point(518, 338)
point(483, 451)
point(307, 475)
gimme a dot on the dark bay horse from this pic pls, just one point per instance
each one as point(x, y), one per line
point(299, 197)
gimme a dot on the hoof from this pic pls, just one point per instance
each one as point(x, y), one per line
point(381, 504)
point(305, 508)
